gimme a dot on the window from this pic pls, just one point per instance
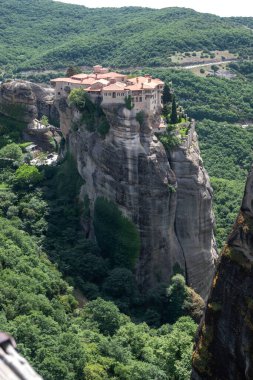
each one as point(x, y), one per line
point(140, 99)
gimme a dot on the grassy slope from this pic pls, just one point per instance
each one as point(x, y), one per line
point(52, 34)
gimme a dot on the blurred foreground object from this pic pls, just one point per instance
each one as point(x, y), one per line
point(12, 365)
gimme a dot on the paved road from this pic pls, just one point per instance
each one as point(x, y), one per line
point(209, 64)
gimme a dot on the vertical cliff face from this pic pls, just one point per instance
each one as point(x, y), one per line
point(169, 200)
point(224, 348)
point(194, 217)
point(130, 168)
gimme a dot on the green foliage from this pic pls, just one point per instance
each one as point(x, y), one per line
point(37, 306)
point(169, 140)
point(244, 68)
point(226, 149)
point(92, 114)
point(227, 153)
point(11, 152)
point(120, 286)
point(174, 118)
point(103, 127)
point(27, 176)
point(140, 117)
point(72, 70)
point(116, 235)
point(212, 98)
point(13, 110)
point(228, 194)
point(105, 315)
point(79, 99)
point(215, 68)
point(128, 102)
point(44, 120)
point(31, 294)
point(167, 303)
point(154, 34)
point(167, 96)
point(10, 131)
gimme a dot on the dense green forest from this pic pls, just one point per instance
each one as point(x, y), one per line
point(55, 35)
point(62, 335)
point(73, 305)
point(227, 151)
point(210, 98)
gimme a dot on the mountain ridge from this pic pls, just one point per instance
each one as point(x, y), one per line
point(53, 34)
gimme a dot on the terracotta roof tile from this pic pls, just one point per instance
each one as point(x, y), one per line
point(118, 86)
point(66, 80)
point(80, 76)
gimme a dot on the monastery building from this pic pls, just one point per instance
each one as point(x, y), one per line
point(113, 88)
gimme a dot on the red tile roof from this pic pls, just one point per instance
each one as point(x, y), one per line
point(66, 80)
point(134, 87)
point(80, 76)
point(118, 86)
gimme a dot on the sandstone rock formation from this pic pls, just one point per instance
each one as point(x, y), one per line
point(131, 168)
point(25, 101)
point(224, 347)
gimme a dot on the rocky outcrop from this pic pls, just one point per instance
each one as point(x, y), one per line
point(224, 344)
point(130, 167)
point(25, 101)
point(194, 217)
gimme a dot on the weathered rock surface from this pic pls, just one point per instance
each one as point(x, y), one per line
point(131, 168)
point(194, 217)
point(224, 347)
point(25, 101)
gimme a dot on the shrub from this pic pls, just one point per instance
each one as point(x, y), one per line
point(80, 99)
point(105, 314)
point(27, 176)
point(12, 152)
point(128, 102)
point(120, 283)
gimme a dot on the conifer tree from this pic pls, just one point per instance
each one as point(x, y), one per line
point(173, 118)
point(167, 96)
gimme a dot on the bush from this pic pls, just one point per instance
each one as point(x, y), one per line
point(128, 102)
point(105, 314)
point(80, 99)
point(12, 152)
point(120, 283)
point(27, 176)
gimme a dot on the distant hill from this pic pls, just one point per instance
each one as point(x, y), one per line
point(44, 33)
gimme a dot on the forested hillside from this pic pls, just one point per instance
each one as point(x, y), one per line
point(40, 220)
point(47, 34)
